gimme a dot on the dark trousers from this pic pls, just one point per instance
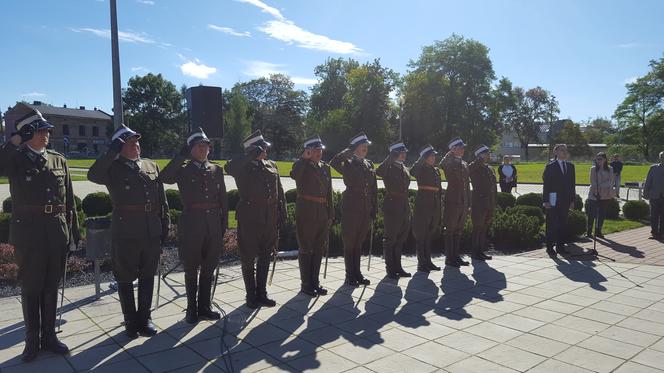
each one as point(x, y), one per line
point(657, 216)
point(556, 225)
point(506, 187)
point(354, 230)
point(596, 212)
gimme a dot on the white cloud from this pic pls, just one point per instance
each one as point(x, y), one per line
point(196, 69)
point(229, 31)
point(146, 2)
point(130, 37)
point(259, 69)
point(265, 8)
point(630, 80)
point(287, 31)
point(140, 69)
point(33, 94)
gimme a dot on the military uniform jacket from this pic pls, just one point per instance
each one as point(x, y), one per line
point(259, 186)
point(428, 177)
point(313, 180)
point(43, 206)
point(361, 194)
point(397, 180)
point(140, 209)
point(203, 192)
point(458, 184)
point(484, 185)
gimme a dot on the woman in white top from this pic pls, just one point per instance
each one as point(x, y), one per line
point(602, 190)
point(507, 175)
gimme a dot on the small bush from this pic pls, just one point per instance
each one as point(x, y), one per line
point(174, 200)
point(233, 199)
point(7, 205)
point(8, 266)
point(77, 264)
point(291, 195)
point(578, 202)
point(97, 204)
point(635, 210)
point(532, 211)
point(612, 209)
point(287, 233)
point(530, 199)
point(174, 215)
point(514, 230)
point(577, 223)
point(505, 200)
point(5, 220)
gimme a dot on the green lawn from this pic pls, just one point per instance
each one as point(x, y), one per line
point(528, 172)
point(612, 226)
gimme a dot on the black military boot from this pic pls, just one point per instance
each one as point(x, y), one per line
point(350, 270)
point(205, 311)
point(250, 285)
point(49, 341)
point(450, 253)
point(145, 288)
point(432, 266)
point(30, 305)
point(128, 305)
point(457, 244)
point(422, 260)
point(191, 288)
point(315, 274)
point(307, 287)
point(262, 271)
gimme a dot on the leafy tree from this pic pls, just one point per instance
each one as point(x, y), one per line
point(576, 141)
point(153, 106)
point(599, 130)
point(640, 111)
point(237, 120)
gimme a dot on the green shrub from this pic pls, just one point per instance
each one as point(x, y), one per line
point(174, 214)
point(97, 204)
point(530, 199)
point(531, 211)
point(233, 198)
point(79, 203)
point(174, 200)
point(505, 200)
point(287, 233)
point(577, 223)
point(612, 209)
point(635, 210)
point(578, 202)
point(514, 230)
point(7, 205)
point(291, 195)
point(5, 220)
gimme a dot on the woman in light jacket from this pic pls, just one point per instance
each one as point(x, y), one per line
point(602, 190)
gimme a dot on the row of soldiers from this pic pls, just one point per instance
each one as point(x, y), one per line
point(44, 216)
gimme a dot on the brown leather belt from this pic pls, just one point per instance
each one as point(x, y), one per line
point(203, 206)
point(429, 188)
point(46, 209)
point(135, 208)
point(321, 200)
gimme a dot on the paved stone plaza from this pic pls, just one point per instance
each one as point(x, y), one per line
point(515, 313)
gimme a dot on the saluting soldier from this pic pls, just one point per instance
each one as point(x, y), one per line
point(203, 222)
point(396, 208)
point(359, 203)
point(43, 225)
point(457, 201)
point(314, 212)
point(140, 222)
point(428, 206)
point(260, 212)
point(483, 201)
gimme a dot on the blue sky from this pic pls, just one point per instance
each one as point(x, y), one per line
point(582, 51)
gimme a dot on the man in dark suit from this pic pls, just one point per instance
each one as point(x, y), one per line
point(559, 192)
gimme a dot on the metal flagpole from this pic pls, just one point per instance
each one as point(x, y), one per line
point(115, 61)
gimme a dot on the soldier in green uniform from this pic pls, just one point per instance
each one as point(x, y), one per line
point(260, 212)
point(457, 201)
point(43, 224)
point(359, 203)
point(139, 224)
point(314, 212)
point(396, 208)
point(203, 222)
point(483, 179)
point(428, 206)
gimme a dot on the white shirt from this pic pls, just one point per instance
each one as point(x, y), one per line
point(36, 151)
point(507, 170)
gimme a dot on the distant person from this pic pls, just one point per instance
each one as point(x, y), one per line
point(507, 175)
point(653, 190)
point(558, 194)
point(617, 167)
point(602, 190)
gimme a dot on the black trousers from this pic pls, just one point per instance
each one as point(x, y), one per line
point(506, 187)
point(556, 225)
point(596, 211)
point(657, 216)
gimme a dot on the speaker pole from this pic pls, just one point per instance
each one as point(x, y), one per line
point(115, 61)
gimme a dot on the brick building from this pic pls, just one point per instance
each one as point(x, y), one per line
point(78, 132)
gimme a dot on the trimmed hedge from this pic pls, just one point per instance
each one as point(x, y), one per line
point(530, 199)
point(514, 230)
point(7, 205)
point(578, 202)
point(612, 209)
point(291, 195)
point(577, 222)
point(174, 214)
point(174, 200)
point(636, 210)
point(233, 199)
point(532, 211)
point(5, 220)
point(97, 204)
point(505, 200)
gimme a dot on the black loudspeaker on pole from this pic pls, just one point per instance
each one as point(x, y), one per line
point(205, 110)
